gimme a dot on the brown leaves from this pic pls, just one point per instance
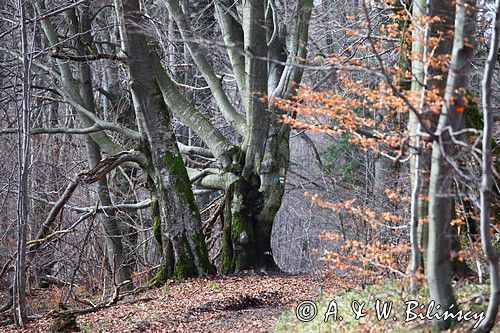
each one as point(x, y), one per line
point(250, 303)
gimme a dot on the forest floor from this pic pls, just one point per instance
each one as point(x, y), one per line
point(244, 303)
point(250, 302)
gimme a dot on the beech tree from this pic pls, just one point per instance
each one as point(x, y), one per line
point(440, 182)
point(434, 143)
point(267, 63)
point(158, 140)
point(264, 68)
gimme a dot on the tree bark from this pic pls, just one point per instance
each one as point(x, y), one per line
point(19, 285)
point(112, 235)
point(443, 150)
point(423, 80)
point(180, 218)
point(487, 180)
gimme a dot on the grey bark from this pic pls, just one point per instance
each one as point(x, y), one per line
point(113, 238)
point(225, 106)
point(19, 285)
point(422, 78)
point(487, 194)
point(69, 89)
point(440, 186)
point(258, 119)
point(180, 218)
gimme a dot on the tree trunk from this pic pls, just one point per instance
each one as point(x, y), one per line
point(253, 174)
point(19, 285)
point(112, 235)
point(487, 180)
point(440, 186)
point(248, 221)
point(423, 77)
point(256, 197)
point(180, 218)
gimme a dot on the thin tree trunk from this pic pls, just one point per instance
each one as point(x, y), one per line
point(113, 237)
point(423, 77)
point(19, 285)
point(487, 179)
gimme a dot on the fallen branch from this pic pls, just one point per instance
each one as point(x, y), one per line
point(87, 177)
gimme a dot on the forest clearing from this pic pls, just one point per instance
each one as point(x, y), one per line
point(249, 165)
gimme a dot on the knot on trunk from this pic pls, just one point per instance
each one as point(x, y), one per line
point(243, 239)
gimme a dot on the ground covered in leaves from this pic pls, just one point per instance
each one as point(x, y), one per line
point(244, 303)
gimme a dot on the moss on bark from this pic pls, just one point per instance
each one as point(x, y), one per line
point(180, 177)
point(160, 278)
point(201, 252)
point(155, 212)
point(184, 264)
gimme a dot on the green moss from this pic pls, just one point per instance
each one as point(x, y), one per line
point(238, 255)
point(202, 253)
point(184, 264)
point(227, 246)
point(244, 255)
point(227, 264)
point(160, 277)
point(155, 211)
point(180, 177)
point(238, 226)
point(239, 250)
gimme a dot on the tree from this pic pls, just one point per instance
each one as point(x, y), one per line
point(184, 249)
point(487, 178)
point(443, 147)
point(431, 41)
point(19, 285)
point(250, 175)
point(116, 254)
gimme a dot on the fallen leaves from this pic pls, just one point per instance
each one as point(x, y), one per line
point(248, 302)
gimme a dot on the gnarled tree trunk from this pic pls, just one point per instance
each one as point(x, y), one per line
point(252, 175)
point(180, 218)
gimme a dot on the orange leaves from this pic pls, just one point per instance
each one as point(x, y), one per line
point(392, 195)
point(362, 257)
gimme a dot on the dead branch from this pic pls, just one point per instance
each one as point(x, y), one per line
point(87, 177)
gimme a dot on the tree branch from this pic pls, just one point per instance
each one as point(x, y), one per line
point(189, 115)
point(86, 130)
point(91, 57)
point(225, 106)
point(87, 177)
point(232, 33)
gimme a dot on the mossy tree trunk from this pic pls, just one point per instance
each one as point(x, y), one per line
point(253, 175)
point(179, 215)
point(252, 203)
point(248, 221)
